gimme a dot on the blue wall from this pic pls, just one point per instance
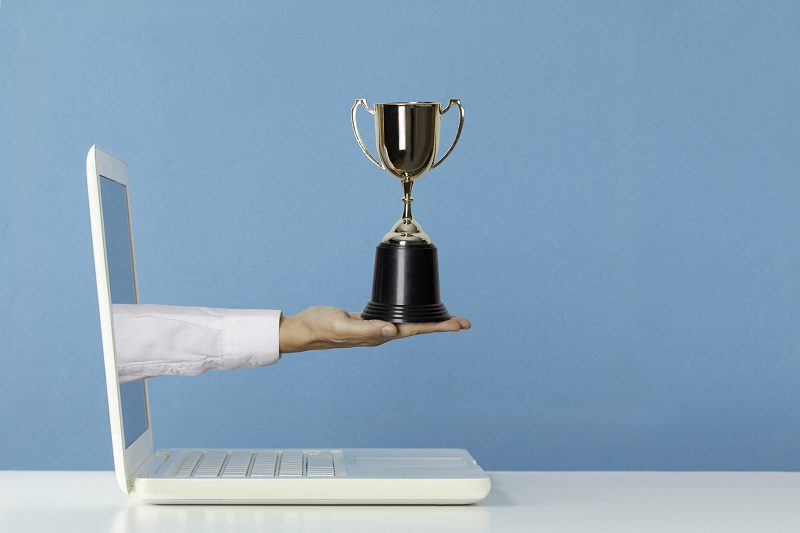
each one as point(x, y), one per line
point(620, 221)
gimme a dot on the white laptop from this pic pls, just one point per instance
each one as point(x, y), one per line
point(268, 475)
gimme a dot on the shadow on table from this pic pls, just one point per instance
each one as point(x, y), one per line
point(352, 518)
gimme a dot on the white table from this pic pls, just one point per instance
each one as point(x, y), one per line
point(520, 501)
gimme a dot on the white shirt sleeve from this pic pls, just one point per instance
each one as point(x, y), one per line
point(157, 340)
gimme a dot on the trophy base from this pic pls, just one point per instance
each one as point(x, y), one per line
point(405, 287)
point(405, 314)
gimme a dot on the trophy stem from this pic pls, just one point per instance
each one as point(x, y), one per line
point(406, 231)
point(407, 199)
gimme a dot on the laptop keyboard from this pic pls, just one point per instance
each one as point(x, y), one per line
point(241, 464)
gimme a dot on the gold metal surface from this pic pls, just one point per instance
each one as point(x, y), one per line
point(407, 140)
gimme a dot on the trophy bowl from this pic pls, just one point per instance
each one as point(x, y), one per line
point(407, 137)
point(405, 286)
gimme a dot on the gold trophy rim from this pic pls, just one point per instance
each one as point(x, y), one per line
point(410, 103)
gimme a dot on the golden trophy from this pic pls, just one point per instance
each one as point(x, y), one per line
point(405, 285)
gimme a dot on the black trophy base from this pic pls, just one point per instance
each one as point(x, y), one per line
point(405, 287)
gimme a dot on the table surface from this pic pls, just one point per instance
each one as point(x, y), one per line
point(519, 501)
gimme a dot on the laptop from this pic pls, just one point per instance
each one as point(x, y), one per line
point(267, 475)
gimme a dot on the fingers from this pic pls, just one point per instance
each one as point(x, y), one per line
point(453, 324)
point(463, 322)
point(356, 330)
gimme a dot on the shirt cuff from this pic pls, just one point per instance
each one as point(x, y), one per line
point(250, 338)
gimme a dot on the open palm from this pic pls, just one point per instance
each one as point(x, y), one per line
point(322, 328)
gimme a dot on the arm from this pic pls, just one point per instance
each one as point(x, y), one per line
point(155, 340)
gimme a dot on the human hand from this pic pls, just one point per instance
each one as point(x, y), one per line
point(323, 328)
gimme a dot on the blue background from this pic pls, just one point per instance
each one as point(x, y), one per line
point(620, 221)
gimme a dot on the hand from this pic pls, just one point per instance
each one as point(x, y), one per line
point(323, 328)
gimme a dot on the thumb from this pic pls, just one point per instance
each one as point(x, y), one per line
point(369, 328)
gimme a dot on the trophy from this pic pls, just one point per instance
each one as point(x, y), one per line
point(405, 285)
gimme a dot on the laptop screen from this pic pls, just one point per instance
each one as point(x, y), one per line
point(119, 255)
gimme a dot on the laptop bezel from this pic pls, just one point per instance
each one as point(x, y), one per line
point(126, 460)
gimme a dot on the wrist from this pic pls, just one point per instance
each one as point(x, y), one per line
point(291, 334)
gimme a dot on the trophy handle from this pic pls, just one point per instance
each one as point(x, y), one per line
point(353, 111)
point(457, 102)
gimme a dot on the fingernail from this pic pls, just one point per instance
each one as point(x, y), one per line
point(388, 331)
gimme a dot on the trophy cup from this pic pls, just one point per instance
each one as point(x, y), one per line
point(405, 285)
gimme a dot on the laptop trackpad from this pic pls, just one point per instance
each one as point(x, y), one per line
point(410, 462)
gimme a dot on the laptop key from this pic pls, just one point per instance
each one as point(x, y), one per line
point(319, 465)
point(291, 464)
point(264, 464)
point(188, 465)
point(210, 465)
point(237, 465)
